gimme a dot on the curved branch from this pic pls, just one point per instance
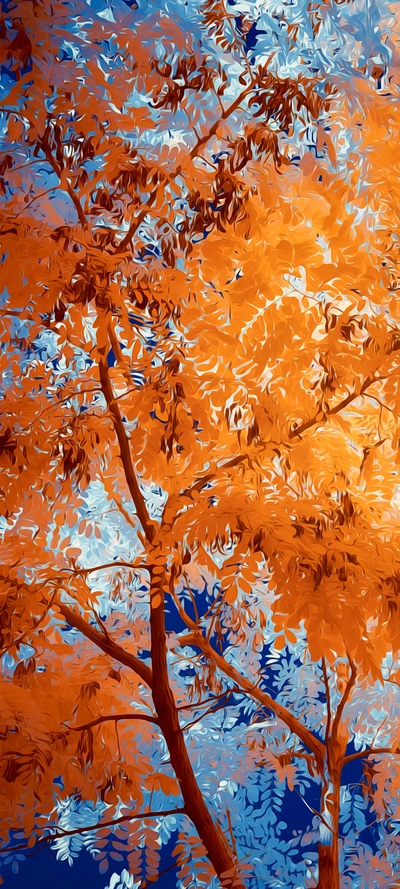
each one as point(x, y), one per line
point(112, 718)
point(215, 698)
point(211, 709)
point(66, 185)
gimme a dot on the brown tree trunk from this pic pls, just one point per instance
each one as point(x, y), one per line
point(218, 849)
point(328, 847)
point(328, 866)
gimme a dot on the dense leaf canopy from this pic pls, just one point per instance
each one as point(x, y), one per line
point(199, 443)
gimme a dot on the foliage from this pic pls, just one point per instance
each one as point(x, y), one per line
point(200, 440)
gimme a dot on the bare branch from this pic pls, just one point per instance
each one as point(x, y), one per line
point(231, 833)
point(128, 518)
point(207, 701)
point(65, 185)
point(212, 709)
point(315, 812)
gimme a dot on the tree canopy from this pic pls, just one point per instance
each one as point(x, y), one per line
point(199, 443)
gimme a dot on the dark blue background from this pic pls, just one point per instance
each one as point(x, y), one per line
point(43, 871)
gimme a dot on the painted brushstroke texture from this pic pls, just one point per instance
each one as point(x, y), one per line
point(199, 441)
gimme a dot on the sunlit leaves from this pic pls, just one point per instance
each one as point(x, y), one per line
point(201, 215)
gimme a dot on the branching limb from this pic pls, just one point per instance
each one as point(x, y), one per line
point(210, 710)
point(315, 812)
point(66, 185)
point(234, 691)
point(320, 418)
point(201, 141)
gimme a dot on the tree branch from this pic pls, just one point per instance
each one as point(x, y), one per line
point(215, 698)
point(306, 737)
point(128, 518)
point(314, 811)
point(59, 834)
point(112, 718)
point(211, 476)
point(70, 191)
point(132, 565)
point(371, 751)
point(173, 175)
point(319, 418)
point(125, 449)
point(211, 709)
point(106, 644)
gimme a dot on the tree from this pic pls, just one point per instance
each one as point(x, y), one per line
point(200, 423)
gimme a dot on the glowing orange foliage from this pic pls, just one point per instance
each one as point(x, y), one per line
point(212, 323)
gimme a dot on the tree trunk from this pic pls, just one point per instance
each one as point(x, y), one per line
point(328, 847)
point(328, 866)
point(218, 849)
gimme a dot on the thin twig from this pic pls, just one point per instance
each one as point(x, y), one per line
point(144, 816)
point(212, 709)
point(113, 717)
point(120, 564)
